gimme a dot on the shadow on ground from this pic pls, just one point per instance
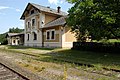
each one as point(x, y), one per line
point(108, 60)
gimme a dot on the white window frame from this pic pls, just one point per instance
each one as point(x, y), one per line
point(46, 34)
point(27, 24)
point(50, 36)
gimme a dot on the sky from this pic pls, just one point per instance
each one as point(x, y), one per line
point(11, 11)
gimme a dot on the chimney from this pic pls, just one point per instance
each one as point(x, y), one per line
point(58, 9)
point(48, 6)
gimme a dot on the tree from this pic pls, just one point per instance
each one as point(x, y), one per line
point(100, 17)
point(15, 30)
point(3, 39)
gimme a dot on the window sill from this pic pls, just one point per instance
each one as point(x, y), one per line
point(50, 39)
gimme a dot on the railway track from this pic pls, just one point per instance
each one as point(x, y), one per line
point(8, 74)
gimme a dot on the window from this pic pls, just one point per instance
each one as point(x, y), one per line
point(28, 37)
point(35, 36)
point(32, 12)
point(33, 22)
point(38, 24)
point(13, 41)
point(28, 24)
point(18, 42)
point(50, 34)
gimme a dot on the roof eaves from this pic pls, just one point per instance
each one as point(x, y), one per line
point(58, 22)
point(44, 9)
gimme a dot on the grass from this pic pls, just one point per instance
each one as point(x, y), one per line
point(26, 47)
point(109, 40)
point(107, 60)
point(94, 58)
point(61, 56)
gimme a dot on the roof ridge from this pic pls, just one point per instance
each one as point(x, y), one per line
point(44, 9)
point(47, 7)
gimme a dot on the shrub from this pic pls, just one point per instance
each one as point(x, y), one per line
point(97, 47)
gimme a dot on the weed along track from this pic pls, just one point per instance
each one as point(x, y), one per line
point(39, 65)
point(8, 74)
point(106, 71)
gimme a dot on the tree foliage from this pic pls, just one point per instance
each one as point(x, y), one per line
point(100, 17)
point(15, 30)
point(3, 39)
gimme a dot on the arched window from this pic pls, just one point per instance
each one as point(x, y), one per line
point(13, 41)
point(33, 22)
point(35, 36)
point(32, 12)
point(28, 37)
point(28, 24)
point(18, 42)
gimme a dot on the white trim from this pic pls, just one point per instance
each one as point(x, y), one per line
point(68, 42)
point(30, 16)
point(33, 43)
point(63, 37)
point(56, 32)
point(51, 42)
point(42, 20)
point(26, 26)
point(51, 34)
point(47, 35)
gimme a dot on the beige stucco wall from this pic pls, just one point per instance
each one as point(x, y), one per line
point(29, 9)
point(67, 37)
point(53, 43)
point(56, 28)
point(9, 40)
point(32, 42)
point(55, 40)
point(49, 18)
point(38, 18)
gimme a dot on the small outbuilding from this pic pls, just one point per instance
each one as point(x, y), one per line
point(15, 38)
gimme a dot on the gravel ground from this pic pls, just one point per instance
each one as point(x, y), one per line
point(6, 74)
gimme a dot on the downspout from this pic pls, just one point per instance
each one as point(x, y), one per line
point(42, 38)
point(62, 32)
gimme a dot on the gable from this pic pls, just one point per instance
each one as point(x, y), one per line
point(28, 11)
point(40, 8)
